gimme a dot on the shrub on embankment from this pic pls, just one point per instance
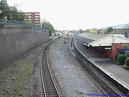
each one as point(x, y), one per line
point(120, 59)
point(2, 25)
point(126, 65)
point(15, 41)
point(116, 56)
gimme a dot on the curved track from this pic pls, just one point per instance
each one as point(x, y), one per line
point(48, 85)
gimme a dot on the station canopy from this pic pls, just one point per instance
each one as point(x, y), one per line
point(94, 40)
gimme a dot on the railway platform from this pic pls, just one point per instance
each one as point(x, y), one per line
point(116, 72)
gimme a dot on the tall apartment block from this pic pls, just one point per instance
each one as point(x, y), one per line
point(34, 17)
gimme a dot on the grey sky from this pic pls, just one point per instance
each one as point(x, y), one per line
point(78, 14)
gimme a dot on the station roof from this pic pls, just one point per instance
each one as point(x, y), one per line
point(100, 39)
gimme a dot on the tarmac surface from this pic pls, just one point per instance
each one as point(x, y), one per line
point(68, 72)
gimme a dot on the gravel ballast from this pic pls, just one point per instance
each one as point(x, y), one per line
point(68, 72)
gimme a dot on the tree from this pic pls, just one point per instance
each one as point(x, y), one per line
point(109, 30)
point(4, 9)
point(14, 14)
point(21, 16)
point(10, 12)
point(3, 5)
point(49, 27)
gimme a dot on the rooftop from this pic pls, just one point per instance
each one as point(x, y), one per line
point(100, 39)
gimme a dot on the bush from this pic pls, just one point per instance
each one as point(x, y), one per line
point(126, 65)
point(121, 59)
point(2, 25)
point(27, 27)
point(116, 56)
point(127, 54)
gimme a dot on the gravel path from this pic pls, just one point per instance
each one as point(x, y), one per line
point(70, 76)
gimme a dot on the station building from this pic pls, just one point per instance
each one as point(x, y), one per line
point(108, 45)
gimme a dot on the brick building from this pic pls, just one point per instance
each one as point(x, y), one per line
point(33, 17)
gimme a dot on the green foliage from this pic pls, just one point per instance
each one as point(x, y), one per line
point(14, 14)
point(18, 16)
point(3, 5)
point(48, 27)
point(27, 27)
point(116, 56)
point(127, 54)
point(79, 92)
point(28, 21)
point(126, 65)
point(10, 12)
point(109, 30)
point(15, 78)
point(121, 59)
point(4, 8)
point(2, 25)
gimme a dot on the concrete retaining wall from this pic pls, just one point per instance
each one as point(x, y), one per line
point(15, 41)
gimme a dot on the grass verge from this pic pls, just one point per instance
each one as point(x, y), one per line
point(14, 80)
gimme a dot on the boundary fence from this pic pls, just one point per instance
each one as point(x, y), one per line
point(25, 25)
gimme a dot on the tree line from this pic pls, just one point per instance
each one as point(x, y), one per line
point(10, 12)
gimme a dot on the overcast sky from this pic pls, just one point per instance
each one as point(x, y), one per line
point(78, 14)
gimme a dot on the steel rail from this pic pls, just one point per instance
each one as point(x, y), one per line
point(48, 85)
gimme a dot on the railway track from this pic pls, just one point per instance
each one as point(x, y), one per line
point(107, 87)
point(48, 85)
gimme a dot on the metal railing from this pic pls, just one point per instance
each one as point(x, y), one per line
point(26, 25)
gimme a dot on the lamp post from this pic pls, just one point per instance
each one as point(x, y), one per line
point(0, 11)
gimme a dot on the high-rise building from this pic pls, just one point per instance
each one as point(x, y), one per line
point(33, 17)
